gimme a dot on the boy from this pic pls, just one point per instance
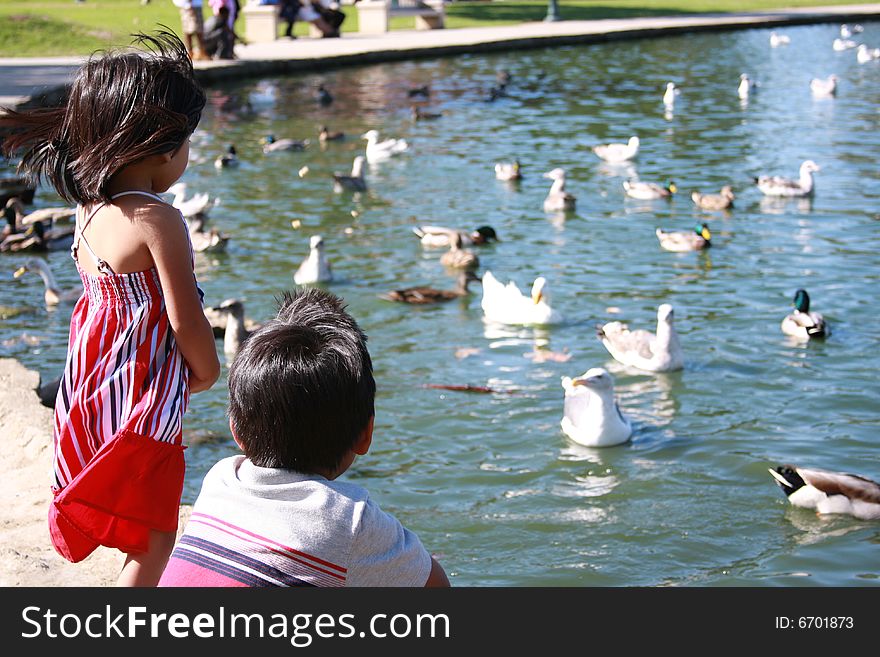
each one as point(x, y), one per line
point(301, 394)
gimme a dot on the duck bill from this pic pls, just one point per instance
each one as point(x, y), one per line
point(672, 188)
point(537, 297)
point(18, 273)
point(706, 235)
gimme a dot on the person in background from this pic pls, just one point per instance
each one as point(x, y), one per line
point(193, 26)
point(289, 11)
point(220, 38)
point(232, 9)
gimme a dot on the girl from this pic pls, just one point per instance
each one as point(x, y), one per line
point(139, 341)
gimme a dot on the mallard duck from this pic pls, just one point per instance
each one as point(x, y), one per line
point(653, 352)
point(38, 238)
point(508, 170)
point(780, 186)
point(228, 160)
point(865, 54)
point(829, 492)
point(316, 267)
point(382, 150)
point(557, 198)
point(204, 241)
point(843, 44)
point(324, 134)
point(273, 145)
point(616, 152)
point(700, 238)
point(720, 201)
point(218, 319)
point(21, 187)
point(457, 257)
point(425, 295)
point(53, 294)
point(669, 95)
point(647, 191)
point(323, 96)
point(353, 182)
point(440, 236)
point(803, 323)
point(197, 204)
point(591, 416)
point(418, 114)
point(236, 332)
point(777, 40)
point(17, 218)
point(424, 91)
point(505, 304)
point(824, 88)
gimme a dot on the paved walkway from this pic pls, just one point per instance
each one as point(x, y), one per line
point(24, 80)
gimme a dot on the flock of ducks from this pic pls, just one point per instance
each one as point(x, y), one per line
point(591, 414)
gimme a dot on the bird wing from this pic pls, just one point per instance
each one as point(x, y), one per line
point(619, 340)
point(838, 483)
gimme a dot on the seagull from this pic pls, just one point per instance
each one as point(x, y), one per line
point(53, 295)
point(197, 204)
point(591, 416)
point(779, 186)
point(557, 198)
point(802, 322)
point(236, 332)
point(228, 159)
point(315, 268)
point(865, 54)
point(382, 150)
point(271, 145)
point(653, 352)
point(843, 44)
point(829, 492)
point(745, 86)
point(670, 93)
point(617, 152)
point(846, 32)
point(824, 87)
point(355, 181)
point(778, 40)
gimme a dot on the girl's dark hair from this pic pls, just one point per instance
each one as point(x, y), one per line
point(301, 388)
point(123, 106)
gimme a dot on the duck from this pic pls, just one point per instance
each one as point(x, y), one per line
point(16, 217)
point(505, 304)
point(843, 44)
point(48, 391)
point(197, 204)
point(557, 198)
point(324, 134)
point(647, 191)
point(697, 240)
point(824, 88)
point(354, 181)
point(218, 319)
point(616, 152)
point(426, 295)
point(424, 91)
point(721, 201)
point(418, 114)
point(745, 86)
point(235, 332)
point(829, 492)
point(316, 267)
point(780, 186)
point(652, 352)
point(205, 241)
point(670, 94)
point(228, 160)
point(53, 294)
point(802, 322)
point(458, 257)
point(865, 54)
point(38, 238)
point(846, 32)
point(440, 236)
point(591, 416)
point(324, 97)
point(508, 170)
point(273, 145)
point(382, 150)
point(777, 40)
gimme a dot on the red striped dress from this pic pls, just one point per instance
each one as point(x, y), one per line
point(119, 466)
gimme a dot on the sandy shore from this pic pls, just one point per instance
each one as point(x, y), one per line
point(27, 557)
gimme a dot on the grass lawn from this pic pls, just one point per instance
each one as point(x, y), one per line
point(35, 28)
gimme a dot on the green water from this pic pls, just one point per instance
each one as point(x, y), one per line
point(488, 481)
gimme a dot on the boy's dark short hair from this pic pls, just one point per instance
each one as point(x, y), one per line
point(301, 389)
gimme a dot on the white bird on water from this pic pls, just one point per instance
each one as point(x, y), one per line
point(591, 416)
point(653, 352)
point(316, 267)
point(865, 54)
point(824, 87)
point(382, 150)
point(745, 86)
point(616, 152)
point(780, 186)
point(843, 44)
point(803, 323)
point(557, 198)
point(846, 32)
point(194, 205)
point(505, 304)
point(777, 40)
point(670, 93)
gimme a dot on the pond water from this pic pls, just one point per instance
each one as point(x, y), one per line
point(488, 481)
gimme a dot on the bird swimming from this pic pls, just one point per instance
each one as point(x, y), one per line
point(354, 181)
point(228, 160)
point(382, 150)
point(441, 236)
point(458, 257)
point(829, 492)
point(720, 201)
point(508, 170)
point(273, 145)
point(591, 415)
point(53, 295)
point(421, 295)
point(617, 152)
point(557, 198)
point(697, 239)
point(316, 267)
point(803, 323)
point(505, 304)
point(652, 352)
point(781, 186)
point(647, 191)
point(824, 87)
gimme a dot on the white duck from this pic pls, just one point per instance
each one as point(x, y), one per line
point(648, 191)
point(616, 152)
point(591, 416)
point(777, 40)
point(803, 323)
point(557, 198)
point(846, 32)
point(441, 236)
point(508, 170)
point(669, 95)
point(780, 186)
point(505, 304)
point(194, 205)
point(824, 87)
point(745, 86)
point(53, 294)
point(653, 352)
point(316, 267)
point(865, 54)
point(829, 492)
point(382, 150)
point(843, 44)
point(353, 182)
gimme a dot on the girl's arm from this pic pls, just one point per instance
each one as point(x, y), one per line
point(168, 242)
